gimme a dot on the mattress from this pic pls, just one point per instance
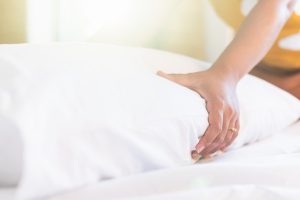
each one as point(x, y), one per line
point(264, 170)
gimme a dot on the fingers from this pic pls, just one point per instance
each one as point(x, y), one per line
point(167, 76)
point(181, 79)
point(215, 119)
point(232, 135)
point(195, 155)
point(221, 104)
point(221, 139)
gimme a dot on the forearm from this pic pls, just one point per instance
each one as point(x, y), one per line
point(254, 39)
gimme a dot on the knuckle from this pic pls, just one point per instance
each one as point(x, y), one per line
point(217, 128)
point(218, 142)
point(212, 144)
point(231, 111)
point(215, 121)
point(208, 143)
point(221, 138)
point(218, 104)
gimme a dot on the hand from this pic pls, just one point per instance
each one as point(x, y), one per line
point(221, 104)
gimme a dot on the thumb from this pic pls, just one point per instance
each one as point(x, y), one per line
point(181, 79)
point(164, 75)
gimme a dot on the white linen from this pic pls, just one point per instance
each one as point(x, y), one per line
point(19, 60)
point(10, 138)
point(76, 121)
point(285, 145)
point(266, 170)
point(10, 153)
point(101, 127)
point(7, 193)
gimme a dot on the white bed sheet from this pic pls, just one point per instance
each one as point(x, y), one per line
point(7, 193)
point(267, 170)
point(272, 168)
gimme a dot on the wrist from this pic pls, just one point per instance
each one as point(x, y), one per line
point(226, 74)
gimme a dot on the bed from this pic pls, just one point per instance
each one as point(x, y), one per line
point(265, 169)
point(257, 176)
point(280, 151)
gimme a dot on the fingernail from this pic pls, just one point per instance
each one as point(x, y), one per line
point(195, 155)
point(201, 158)
point(200, 149)
point(196, 158)
point(160, 73)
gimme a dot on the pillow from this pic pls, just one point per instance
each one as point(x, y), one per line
point(10, 140)
point(88, 113)
point(265, 110)
point(10, 153)
point(20, 62)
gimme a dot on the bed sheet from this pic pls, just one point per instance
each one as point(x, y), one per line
point(267, 170)
point(7, 193)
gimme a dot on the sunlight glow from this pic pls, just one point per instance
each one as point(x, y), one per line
point(297, 9)
point(78, 20)
point(97, 13)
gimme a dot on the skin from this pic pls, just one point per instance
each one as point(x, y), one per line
point(218, 85)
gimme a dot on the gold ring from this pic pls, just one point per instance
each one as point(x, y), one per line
point(234, 130)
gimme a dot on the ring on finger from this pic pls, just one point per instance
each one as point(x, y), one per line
point(234, 130)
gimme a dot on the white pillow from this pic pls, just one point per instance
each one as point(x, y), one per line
point(19, 62)
point(86, 117)
point(10, 139)
point(10, 153)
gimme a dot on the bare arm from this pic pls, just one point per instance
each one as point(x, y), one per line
point(255, 37)
point(218, 85)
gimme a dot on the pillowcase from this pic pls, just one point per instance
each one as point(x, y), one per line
point(88, 113)
point(10, 138)
point(19, 63)
point(22, 66)
point(10, 153)
point(264, 110)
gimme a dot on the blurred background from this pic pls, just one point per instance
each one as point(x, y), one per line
point(188, 27)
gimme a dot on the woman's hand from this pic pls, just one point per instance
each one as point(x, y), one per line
point(221, 104)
